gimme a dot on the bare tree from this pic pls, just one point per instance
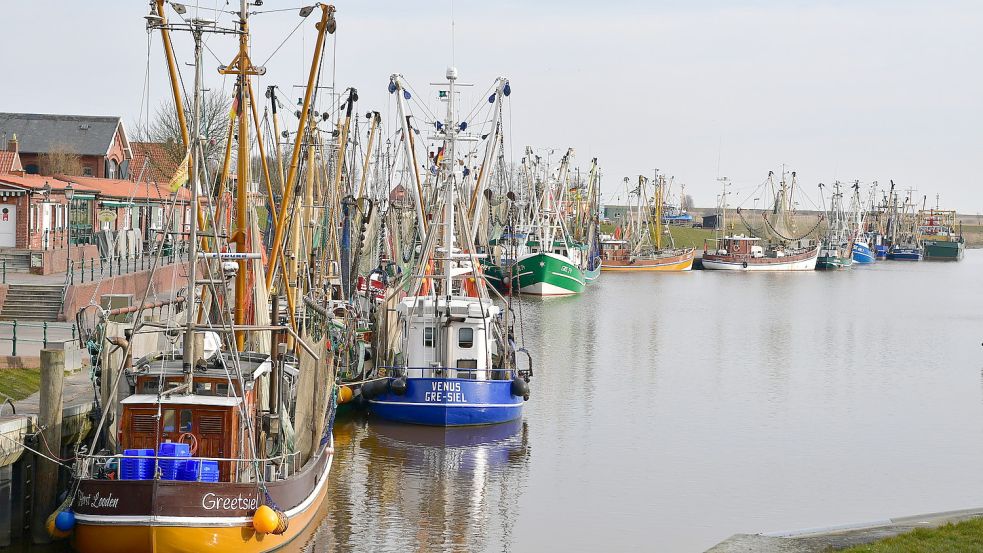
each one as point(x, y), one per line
point(61, 159)
point(165, 129)
point(688, 202)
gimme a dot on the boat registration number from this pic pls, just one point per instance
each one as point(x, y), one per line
point(449, 392)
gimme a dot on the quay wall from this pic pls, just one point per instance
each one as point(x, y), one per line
point(56, 261)
point(166, 280)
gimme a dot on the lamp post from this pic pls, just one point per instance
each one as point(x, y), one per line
point(46, 192)
point(69, 194)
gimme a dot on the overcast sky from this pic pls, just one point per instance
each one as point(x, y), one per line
point(861, 89)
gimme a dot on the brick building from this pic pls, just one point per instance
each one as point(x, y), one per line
point(100, 142)
point(35, 215)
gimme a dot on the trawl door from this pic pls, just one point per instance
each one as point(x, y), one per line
point(8, 226)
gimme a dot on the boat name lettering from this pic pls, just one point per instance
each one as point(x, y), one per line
point(96, 501)
point(211, 502)
point(449, 392)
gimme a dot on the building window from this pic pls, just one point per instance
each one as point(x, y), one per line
point(465, 337)
point(428, 337)
point(87, 171)
point(31, 169)
point(112, 169)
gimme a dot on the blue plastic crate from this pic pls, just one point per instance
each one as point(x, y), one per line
point(170, 469)
point(199, 470)
point(137, 468)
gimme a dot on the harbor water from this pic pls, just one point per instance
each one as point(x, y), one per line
point(670, 411)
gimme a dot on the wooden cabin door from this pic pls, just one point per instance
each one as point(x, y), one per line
point(213, 429)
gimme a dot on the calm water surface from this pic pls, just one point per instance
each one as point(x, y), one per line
point(670, 411)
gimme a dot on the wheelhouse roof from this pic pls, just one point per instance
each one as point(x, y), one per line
point(210, 401)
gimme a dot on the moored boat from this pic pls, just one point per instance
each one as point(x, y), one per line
point(743, 253)
point(904, 253)
point(938, 236)
point(836, 245)
point(214, 434)
point(749, 253)
point(550, 273)
point(453, 360)
point(862, 253)
point(640, 247)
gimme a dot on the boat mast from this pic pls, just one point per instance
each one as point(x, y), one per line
point(450, 131)
point(188, 353)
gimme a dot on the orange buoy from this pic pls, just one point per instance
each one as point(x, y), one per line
point(344, 394)
point(265, 520)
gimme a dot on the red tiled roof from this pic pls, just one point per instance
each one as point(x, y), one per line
point(117, 188)
point(160, 166)
point(37, 182)
point(106, 188)
point(9, 162)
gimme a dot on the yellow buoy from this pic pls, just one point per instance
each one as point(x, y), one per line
point(265, 520)
point(345, 394)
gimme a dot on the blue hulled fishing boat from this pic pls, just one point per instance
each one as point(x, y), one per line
point(862, 252)
point(452, 355)
point(904, 253)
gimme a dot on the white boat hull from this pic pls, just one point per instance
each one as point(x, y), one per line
point(800, 265)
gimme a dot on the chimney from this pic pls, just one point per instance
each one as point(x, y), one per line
point(12, 144)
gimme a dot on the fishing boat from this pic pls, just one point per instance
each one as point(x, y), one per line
point(451, 355)
point(938, 235)
point(740, 252)
point(554, 262)
point(864, 239)
point(583, 214)
point(216, 431)
point(640, 246)
point(836, 245)
point(903, 231)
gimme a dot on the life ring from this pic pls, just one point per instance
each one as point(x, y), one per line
point(744, 264)
point(194, 442)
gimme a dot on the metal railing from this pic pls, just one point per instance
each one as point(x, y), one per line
point(97, 268)
point(97, 466)
point(445, 372)
point(109, 266)
point(50, 333)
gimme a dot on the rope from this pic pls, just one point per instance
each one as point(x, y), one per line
point(34, 451)
point(783, 237)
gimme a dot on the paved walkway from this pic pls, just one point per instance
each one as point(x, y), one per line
point(77, 391)
point(823, 540)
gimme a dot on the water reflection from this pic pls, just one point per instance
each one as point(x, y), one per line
point(411, 488)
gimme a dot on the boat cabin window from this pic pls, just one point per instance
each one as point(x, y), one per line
point(151, 385)
point(428, 337)
point(169, 420)
point(171, 415)
point(465, 337)
point(471, 364)
point(185, 420)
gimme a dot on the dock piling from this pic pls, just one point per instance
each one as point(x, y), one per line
point(49, 420)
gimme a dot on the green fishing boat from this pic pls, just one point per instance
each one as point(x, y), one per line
point(939, 239)
point(549, 274)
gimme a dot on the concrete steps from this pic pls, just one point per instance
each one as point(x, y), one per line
point(17, 261)
point(32, 302)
